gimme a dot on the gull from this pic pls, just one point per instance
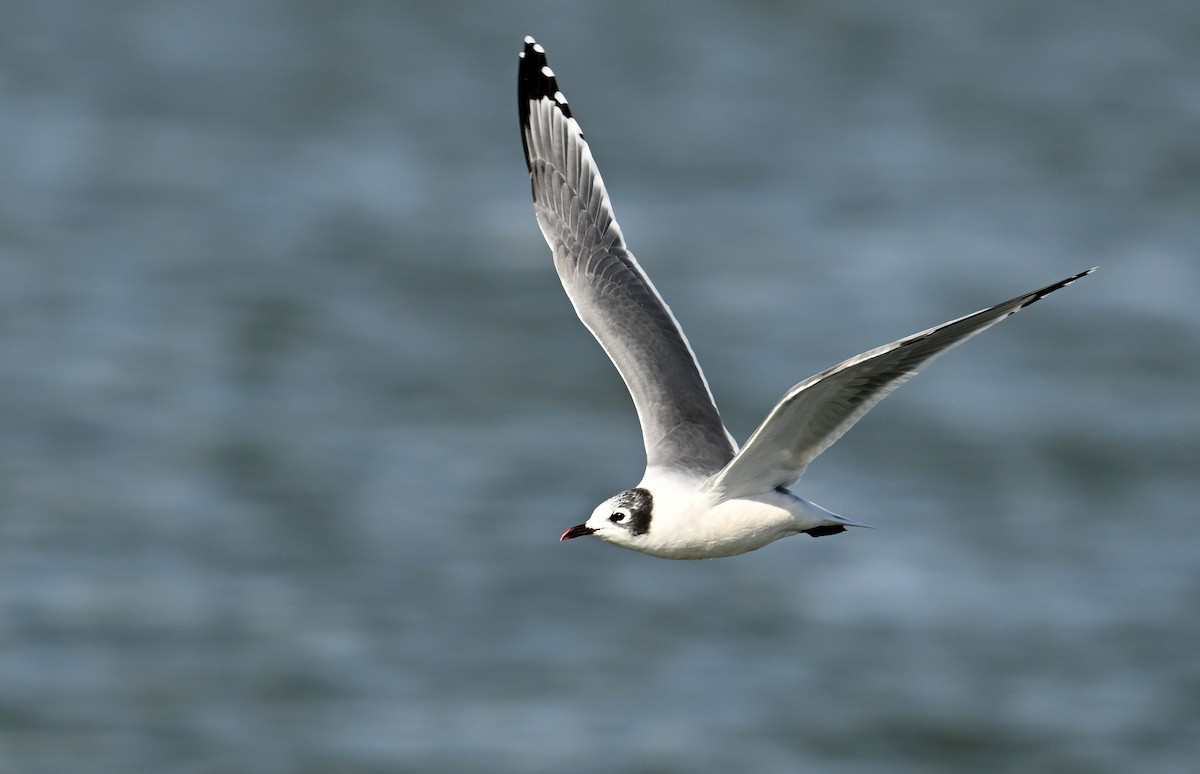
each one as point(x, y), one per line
point(701, 496)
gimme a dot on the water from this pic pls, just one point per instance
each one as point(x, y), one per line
point(294, 408)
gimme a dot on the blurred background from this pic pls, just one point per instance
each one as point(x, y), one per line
point(293, 408)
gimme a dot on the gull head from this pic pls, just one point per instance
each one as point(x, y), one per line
point(623, 519)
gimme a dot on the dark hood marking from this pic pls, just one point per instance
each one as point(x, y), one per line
point(641, 506)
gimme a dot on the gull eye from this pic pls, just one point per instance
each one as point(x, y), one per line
point(618, 516)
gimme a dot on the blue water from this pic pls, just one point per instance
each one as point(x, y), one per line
point(294, 409)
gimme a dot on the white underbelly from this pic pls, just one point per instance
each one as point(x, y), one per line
point(728, 529)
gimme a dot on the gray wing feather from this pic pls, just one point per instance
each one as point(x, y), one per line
point(819, 410)
point(611, 294)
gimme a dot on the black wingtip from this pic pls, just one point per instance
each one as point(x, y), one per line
point(1038, 295)
point(825, 530)
point(535, 80)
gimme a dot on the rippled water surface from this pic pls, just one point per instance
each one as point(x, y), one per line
point(294, 409)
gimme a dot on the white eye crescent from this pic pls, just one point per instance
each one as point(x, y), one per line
point(619, 515)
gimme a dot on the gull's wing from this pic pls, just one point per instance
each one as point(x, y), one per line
point(820, 409)
point(611, 294)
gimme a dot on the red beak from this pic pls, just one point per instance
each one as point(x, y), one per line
point(577, 531)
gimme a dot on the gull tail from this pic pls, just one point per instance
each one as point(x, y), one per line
point(831, 523)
